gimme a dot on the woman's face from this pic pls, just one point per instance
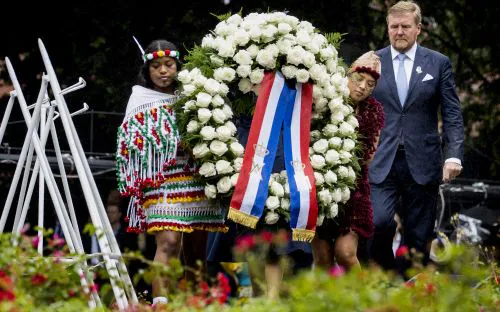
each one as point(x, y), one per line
point(162, 72)
point(361, 86)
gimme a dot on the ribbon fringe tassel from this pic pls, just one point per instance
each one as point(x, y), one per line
point(242, 218)
point(303, 235)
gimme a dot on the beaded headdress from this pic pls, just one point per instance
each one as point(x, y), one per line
point(367, 63)
point(156, 54)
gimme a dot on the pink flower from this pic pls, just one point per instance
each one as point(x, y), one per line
point(402, 251)
point(337, 271)
point(267, 236)
point(35, 241)
point(57, 241)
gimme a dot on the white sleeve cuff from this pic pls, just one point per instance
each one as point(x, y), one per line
point(454, 160)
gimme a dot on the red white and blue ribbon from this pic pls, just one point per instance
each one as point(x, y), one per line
point(278, 106)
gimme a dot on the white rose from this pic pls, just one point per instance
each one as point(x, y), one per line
point(303, 37)
point(336, 79)
point(332, 157)
point(245, 85)
point(200, 150)
point(269, 32)
point(321, 146)
point(223, 166)
point(183, 76)
point(320, 105)
point(284, 45)
point(313, 46)
point(335, 142)
point(335, 104)
point(199, 80)
point(352, 174)
point(326, 53)
point(287, 189)
point(345, 157)
point(334, 210)
point(266, 59)
point(256, 75)
point(346, 129)
point(204, 115)
point(283, 175)
point(330, 130)
point(237, 149)
point(224, 185)
point(317, 90)
point(284, 28)
point(234, 179)
point(225, 48)
point(325, 197)
point(255, 33)
point(189, 105)
point(346, 194)
point(320, 219)
point(330, 177)
point(222, 29)
point(353, 121)
point(318, 72)
point(211, 86)
point(231, 127)
point(224, 89)
point(289, 71)
point(337, 117)
point(192, 126)
point(237, 163)
point(294, 55)
point(203, 99)
point(285, 204)
point(348, 145)
point(227, 111)
point(272, 202)
point(207, 169)
point(318, 177)
point(243, 70)
point(208, 133)
point(224, 74)
point(253, 50)
point(345, 109)
point(315, 134)
point(277, 189)
point(241, 37)
point(307, 26)
point(331, 65)
point(217, 61)
point(217, 101)
point(223, 133)
point(336, 195)
point(218, 148)
point(210, 191)
point(219, 116)
point(343, 172)
point(234, 19)
point(188, 89)
point(302, 75)
point(271, 217)
point(317, 161)
point(243, 57)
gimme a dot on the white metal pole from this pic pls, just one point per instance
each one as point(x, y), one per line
point(75, 145)
point(51, 185)
point(6, 115)
point(27, 141)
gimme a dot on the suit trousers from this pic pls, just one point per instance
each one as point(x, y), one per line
point(416, 205)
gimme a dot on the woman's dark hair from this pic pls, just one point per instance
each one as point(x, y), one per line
point(143, 78)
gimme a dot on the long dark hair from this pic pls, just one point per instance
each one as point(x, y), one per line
point(143, 78)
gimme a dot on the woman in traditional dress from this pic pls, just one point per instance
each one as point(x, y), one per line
point(153, 169)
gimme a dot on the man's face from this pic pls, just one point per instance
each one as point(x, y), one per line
point(403, 31)
point(114, 213)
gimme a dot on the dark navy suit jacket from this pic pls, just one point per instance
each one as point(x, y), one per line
point(416, 123)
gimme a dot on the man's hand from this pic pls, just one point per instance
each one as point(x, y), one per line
point(450, 171)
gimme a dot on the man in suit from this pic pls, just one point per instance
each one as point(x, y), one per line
point(416, 83)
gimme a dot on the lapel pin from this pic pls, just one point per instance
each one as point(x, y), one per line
point(419, 69)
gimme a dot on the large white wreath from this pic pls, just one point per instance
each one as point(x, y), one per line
point(221, 78)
